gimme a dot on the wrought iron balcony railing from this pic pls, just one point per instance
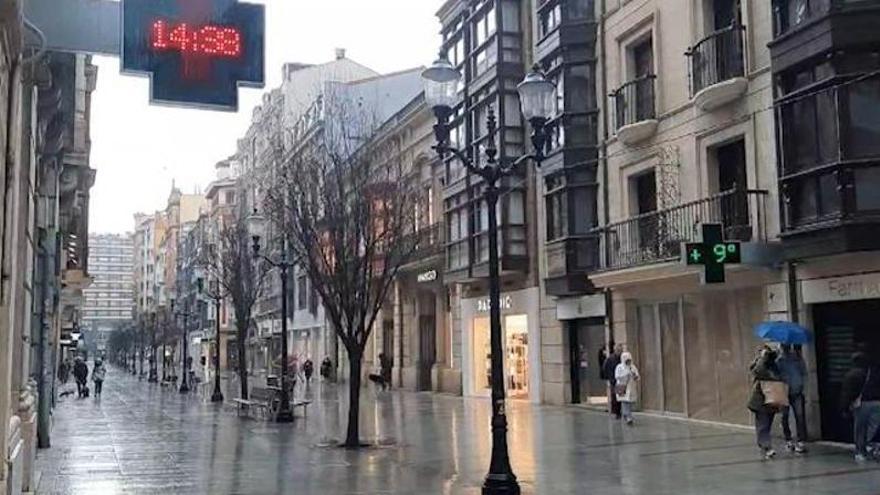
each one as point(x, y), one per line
point(634, 101)
point(717, 58)
point(657, 236)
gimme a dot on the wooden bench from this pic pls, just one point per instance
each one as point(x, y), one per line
point(258, 399)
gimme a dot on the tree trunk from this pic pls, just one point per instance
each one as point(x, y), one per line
point(352, 437)
point(242, 363)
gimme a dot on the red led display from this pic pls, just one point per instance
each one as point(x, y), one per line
point(211, 40)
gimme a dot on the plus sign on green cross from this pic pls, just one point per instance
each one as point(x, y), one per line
point(713, 253)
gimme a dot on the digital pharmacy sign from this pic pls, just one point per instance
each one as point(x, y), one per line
point(196, 52)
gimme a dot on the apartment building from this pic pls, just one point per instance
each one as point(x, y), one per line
point(690, 142)
point(109, 300)
point(825, 66)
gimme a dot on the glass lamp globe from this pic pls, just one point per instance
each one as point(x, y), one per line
point(537, 95)
point(441, 82)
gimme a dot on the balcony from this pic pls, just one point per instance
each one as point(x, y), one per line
point(430, 245)
point(830, 167)
point(717, 68)
point(635, 112)
point(568, 263)
point(657, 237)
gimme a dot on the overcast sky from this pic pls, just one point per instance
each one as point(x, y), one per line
point(138, 149)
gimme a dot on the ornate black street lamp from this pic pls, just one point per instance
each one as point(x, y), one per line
point(536, 95)
point(214, 293)
point(164, 344)
point(185, 313)
point(153, 320)
point(256, 225)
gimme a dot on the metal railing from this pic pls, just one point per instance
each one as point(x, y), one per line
point(717, 58)
point(657, 236)
point(634, 101)
point(431, 241)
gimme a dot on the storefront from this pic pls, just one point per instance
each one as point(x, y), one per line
point(584, 322)
point(520, 338)
point(844, 312)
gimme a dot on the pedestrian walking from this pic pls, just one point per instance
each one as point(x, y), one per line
point(794, 371)
point(861, 398)
point(326, 368)
point(625, 377)
point(769, 396)
point(385, 365)
point(308, 370)
point(99, 371)
point(80, 374)
point(610, 367)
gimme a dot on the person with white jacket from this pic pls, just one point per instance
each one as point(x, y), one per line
point(626, 375)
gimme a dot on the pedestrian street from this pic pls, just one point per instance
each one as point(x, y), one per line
point(141, 438)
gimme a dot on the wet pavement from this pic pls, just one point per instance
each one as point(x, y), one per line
point(142, 438)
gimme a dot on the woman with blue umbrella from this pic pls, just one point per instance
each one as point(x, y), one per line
point(793, 372)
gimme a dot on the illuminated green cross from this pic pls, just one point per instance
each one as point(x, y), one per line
point(713, 253)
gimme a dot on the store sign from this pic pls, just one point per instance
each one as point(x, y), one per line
point(580, 307)
point(428, 276)
point(483, 304)
point(196, 52)
point(841, 288)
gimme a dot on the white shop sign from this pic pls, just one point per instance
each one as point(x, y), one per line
point(428, 276)
point(483, 304)
point(580, 307)
point(850, 288)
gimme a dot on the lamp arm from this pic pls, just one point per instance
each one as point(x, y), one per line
point(487, 173)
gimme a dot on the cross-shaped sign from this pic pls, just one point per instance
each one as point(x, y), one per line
point(197, 52)
point(713, 253)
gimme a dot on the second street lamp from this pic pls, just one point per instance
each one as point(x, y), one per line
point(256, 226)
point(214, 293)
point(536, 98)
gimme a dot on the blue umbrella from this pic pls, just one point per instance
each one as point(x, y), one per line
point(784, 332)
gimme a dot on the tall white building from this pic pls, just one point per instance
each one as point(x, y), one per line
point(109, 301)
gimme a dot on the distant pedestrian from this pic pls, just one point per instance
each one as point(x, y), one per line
point(794, 373)
point(861, 397)
point(99, 372)
point(766, 378)
point(326, 368)
point(625, 377)
point(385, 365)
point(609, 367)
point(308, 371)
point(64, 371)
point(81, 375)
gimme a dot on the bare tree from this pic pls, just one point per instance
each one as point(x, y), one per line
point(230, 263)
point(345, 201)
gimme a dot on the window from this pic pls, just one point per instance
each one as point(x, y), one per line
point(578, 10)
point(313, 300)
point(557, 212)
point(230, 197)
point(550, 19)
point(485, 27)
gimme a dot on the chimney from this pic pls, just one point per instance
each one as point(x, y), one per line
point(340, 53)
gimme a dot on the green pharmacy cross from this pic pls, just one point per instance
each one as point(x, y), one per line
point(713, 253)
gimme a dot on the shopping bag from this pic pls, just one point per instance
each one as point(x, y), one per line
point(775, 394)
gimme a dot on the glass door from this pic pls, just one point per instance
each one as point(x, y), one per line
point(517, 355)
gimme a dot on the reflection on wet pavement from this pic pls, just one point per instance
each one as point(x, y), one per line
point(142, 438)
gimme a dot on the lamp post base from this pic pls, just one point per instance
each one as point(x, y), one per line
point(497, 484)
point(284, 416)
point(217, 396)
point(184, 388)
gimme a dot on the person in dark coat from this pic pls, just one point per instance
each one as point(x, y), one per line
point(764, 368)
point(308, 371)
point(385, 366)
point(860, 396)
point(81, 374)
point(794, 372)
point(609, 367)
point(326, 368)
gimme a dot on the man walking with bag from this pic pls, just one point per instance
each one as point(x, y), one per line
point(861, 398)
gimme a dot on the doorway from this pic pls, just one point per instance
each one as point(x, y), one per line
point(841, 330)
point(586, 341)
point(515, 342)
